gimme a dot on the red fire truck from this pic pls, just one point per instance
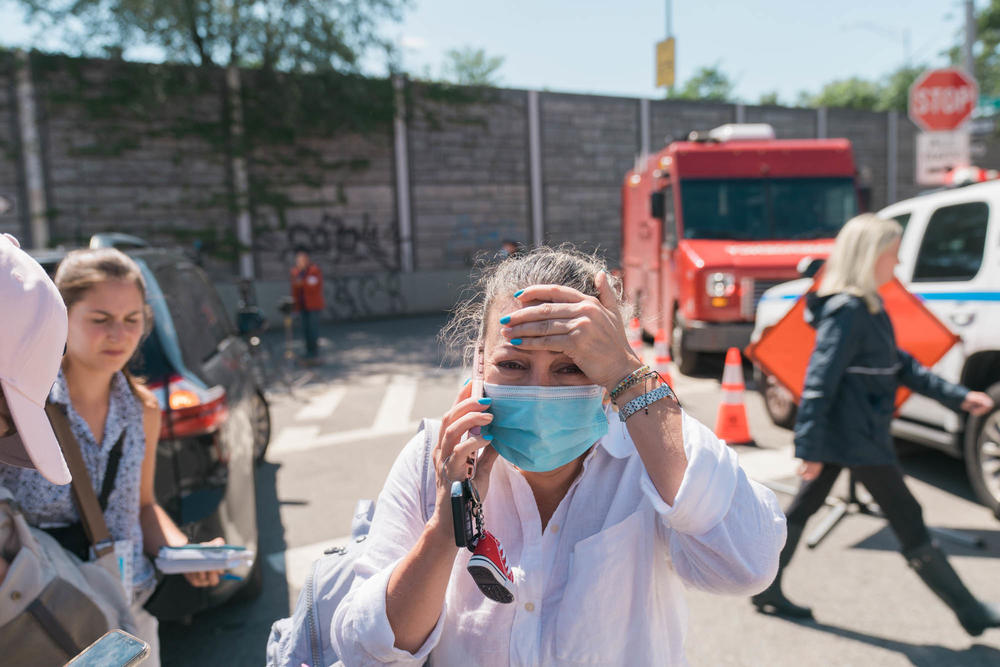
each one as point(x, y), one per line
point(708, 224)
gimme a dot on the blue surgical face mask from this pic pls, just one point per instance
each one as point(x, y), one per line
point(542, 428)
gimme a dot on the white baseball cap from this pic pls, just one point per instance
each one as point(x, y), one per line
point(32, 341)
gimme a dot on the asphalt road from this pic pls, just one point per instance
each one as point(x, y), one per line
point(336, 433)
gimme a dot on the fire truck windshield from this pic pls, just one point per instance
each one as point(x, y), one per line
point(766, 209)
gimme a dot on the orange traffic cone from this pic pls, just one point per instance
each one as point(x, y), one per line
point(731, 425)
point(635, 337)
point(661, 356)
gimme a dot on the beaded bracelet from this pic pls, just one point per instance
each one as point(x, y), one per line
point(629, 380)
point(642, 378)
point(644, 401)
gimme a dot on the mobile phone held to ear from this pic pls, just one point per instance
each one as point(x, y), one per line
point(477, 393)
point(477, 373)
point(116, 648)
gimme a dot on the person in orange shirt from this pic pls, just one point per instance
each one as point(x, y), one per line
point(307, 293)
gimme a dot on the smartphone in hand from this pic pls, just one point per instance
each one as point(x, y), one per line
point(477, 393)
point(116, 648)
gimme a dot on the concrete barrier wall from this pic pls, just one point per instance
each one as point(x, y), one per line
point(157, 162)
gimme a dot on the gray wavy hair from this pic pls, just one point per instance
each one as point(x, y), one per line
point(562, 265)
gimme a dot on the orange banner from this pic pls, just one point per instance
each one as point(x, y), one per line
point(784, 349)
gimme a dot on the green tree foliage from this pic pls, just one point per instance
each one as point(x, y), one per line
point(885, 94)
point(987, 56)
point(894, 91)
point(853, 93)
point(770, 98)
point(303, 35)
point(708, 84)
point(471, 67)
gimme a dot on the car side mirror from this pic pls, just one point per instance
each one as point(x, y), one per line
point(809, 266)
point(658, 205)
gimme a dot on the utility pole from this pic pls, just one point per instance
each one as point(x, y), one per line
point(670, 33)
point(970, 37)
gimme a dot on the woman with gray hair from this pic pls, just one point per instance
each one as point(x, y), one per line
point(847, 406)
point(603, 516)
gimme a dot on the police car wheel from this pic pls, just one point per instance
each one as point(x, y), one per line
point(780, 405)
point(261, 417)
point(982, 454)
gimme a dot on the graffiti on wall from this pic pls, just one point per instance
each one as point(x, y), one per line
point(367, 295)
point(336, 240)
point(359, 260)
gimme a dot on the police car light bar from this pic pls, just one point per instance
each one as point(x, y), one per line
point(742, 132)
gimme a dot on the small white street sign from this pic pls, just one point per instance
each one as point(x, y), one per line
point(938, 152)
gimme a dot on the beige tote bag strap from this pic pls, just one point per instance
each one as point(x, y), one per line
point(83, 489)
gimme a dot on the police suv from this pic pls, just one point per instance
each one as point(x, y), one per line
point(950, 258)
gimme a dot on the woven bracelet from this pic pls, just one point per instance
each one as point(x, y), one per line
point(634, 382)
point(629, 380)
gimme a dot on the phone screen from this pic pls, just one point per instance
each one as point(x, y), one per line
point(116, 648)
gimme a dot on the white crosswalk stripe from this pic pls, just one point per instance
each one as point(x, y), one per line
point(361, 434)
point(323, 405)
point(397, 403)
point(292, 439)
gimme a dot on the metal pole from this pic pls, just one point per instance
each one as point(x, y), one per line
point(401, 145)
point(644, 127)
point(535, 169)
point(892, 155)
point(970, 37)
point(670, 33)
point(31, 151)
point(241, 177)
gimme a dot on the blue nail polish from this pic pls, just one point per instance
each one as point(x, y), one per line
point(230, 577)
point(505, 319)
point(467, 381)
point(515, 341)
point(487, 436)
point(518, 293)
point(485, 401)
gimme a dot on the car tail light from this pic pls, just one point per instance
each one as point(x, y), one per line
point(189, 409)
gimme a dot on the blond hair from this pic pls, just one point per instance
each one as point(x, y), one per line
point(851, 266)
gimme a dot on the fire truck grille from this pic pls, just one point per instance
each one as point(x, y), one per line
point(760, 286)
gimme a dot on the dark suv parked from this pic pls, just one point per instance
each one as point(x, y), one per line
point(215, 418)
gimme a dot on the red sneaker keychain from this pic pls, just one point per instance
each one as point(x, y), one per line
point(488, 564)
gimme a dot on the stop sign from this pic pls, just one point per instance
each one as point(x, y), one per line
point(942, 99)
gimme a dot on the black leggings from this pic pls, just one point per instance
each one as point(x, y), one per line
point(886, 485)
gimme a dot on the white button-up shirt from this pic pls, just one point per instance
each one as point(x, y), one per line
point(601, 585)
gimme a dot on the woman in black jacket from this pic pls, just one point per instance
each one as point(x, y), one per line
point(847, 407)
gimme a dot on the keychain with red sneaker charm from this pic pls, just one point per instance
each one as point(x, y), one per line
point(488, 564)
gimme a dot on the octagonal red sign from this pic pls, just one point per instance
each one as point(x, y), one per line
point(942, 99)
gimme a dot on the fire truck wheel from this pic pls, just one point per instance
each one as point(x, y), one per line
point(685, 359)
point(779, 403)
point(982, 454)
